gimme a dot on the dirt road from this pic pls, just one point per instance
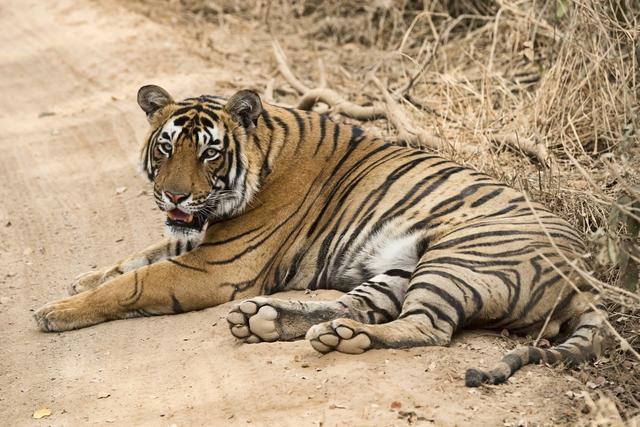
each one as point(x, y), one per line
point(73, 200)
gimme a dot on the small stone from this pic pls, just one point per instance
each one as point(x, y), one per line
point(121, 190)
point(41, 413)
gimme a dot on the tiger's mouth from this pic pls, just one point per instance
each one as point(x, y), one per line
point(177, 220)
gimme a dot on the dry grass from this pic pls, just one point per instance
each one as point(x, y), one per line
point(547, 93)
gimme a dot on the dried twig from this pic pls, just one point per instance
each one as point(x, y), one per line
point(407, 132)
point(311, 96)
point(268, 91)
point(526, 145)
point(415, 136)
point(284, 69)
point(323, 74)
point(340, 105)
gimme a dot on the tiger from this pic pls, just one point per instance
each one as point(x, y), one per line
point(262, 198)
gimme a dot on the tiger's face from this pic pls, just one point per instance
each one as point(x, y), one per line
point(197, 158)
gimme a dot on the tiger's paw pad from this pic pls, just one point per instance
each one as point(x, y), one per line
point(254, 321)
point(339, 335)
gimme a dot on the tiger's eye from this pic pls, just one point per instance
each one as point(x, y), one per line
point(165, 147)
point(210, 154)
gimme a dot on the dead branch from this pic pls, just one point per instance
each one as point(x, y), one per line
point(323, 74)
point(413, 136)
point(268, 91)
point(312, 96)
point(284, 69)
point(340, 105)
point(391, 110)
point(526, 145)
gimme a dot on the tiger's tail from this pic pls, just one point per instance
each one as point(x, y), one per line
point(586, 343)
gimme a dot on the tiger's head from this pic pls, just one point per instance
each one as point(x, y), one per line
point(197, 157)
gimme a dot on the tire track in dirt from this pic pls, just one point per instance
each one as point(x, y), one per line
point(83, 61)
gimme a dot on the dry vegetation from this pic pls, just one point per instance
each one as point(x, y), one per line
point(541, 94)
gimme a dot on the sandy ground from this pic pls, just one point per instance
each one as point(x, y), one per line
point(71, 128)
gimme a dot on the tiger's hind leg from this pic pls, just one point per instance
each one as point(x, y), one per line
point(437, 301)
point(268, 319)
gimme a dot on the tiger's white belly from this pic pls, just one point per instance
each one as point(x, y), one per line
point(388, 249)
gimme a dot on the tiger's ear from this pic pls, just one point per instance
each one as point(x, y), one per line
point(152, 98)
point(245, 107)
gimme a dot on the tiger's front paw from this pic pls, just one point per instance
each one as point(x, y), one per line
point(66, 314)
point(92, 279)
point(85, 282)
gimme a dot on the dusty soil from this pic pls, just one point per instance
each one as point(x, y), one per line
point(70, 71)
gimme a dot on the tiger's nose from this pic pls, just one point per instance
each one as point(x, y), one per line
point(176, 197)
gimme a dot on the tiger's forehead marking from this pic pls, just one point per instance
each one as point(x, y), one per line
point(170, 131)
point(197, 127)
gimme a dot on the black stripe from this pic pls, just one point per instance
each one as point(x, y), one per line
point(283, 125)
point(137, 291)
point(323, 131)
point(267, 120)
point(534, 355)
point(398, 273)
point(336, 136)
point(173, 261)
point(300, 122)
point(514, 361)
point(484, 199)
point(383, 288)
point(231, 239)
point(423, 312)
point(446, 297)
point(372, 305)
point(177, 307)
point(357, 135)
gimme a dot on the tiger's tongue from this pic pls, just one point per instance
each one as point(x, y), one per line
point(178, 215)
